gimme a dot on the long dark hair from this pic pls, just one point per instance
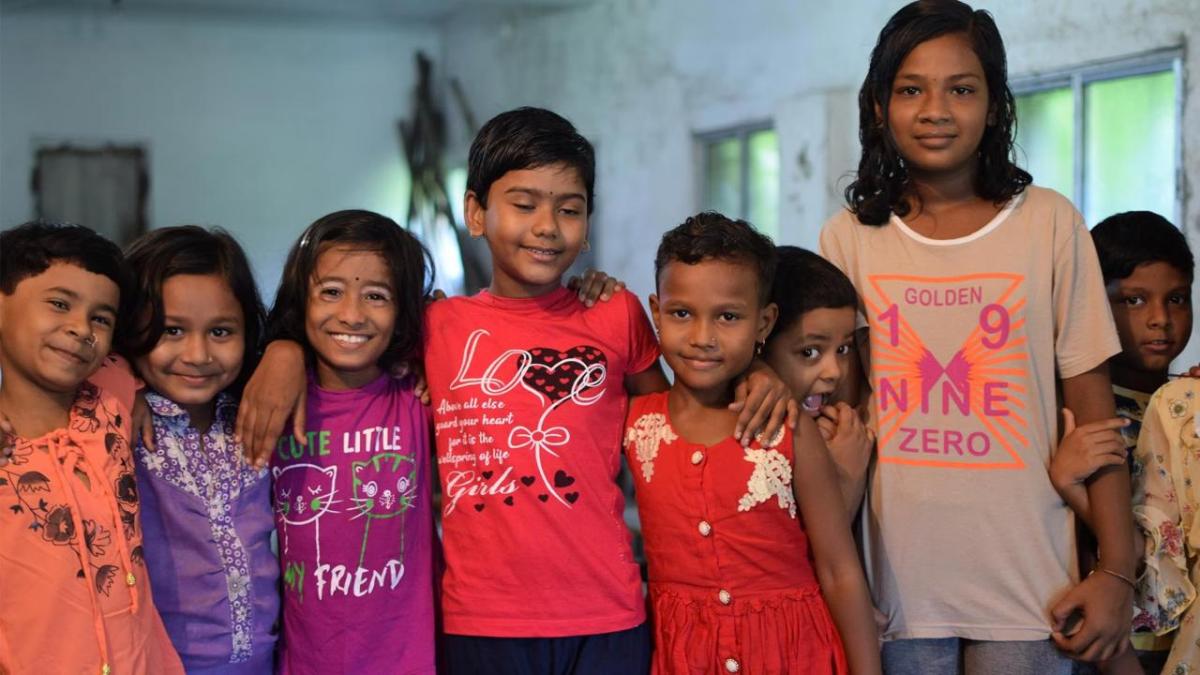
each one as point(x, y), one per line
point(408, 261)
point(161, 254)
point(882, 185)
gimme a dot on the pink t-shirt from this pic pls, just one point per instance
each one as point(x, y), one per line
point(352, 511)
point(529, 404)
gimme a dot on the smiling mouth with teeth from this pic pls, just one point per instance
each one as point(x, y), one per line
point(349, 340)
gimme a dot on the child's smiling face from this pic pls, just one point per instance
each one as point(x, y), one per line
point(1152, 308)
point(351, 315)
point(709, 316)
point(535, 222)
point(812, 354)
point(56, 327)
point(200, 351)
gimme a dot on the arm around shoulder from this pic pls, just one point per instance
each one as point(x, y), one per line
point(835, 558)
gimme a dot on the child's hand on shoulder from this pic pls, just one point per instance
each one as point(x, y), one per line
point(1087, 449)
point(765, 404)
point(595, 285)
point(850, 442)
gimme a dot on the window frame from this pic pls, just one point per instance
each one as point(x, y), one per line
point(1077, 78)
point(742, 133)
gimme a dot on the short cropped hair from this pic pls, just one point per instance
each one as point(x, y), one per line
point(805, 281)
point(1133, 238)
point(528, 138)
point(712, 236)
point(31, 248)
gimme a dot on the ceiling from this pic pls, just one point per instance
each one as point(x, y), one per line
point(398, 11)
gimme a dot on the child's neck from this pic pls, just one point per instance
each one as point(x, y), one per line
point(32, 410)
point(701, 416)
point(521, 291)
point(341, 380)
point(947, 207)
point(1146, 382)
point(201, 416)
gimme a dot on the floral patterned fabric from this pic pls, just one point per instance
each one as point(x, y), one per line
point(71, 552)
point(1165, 504)
point(208, 526)
point(732, 587)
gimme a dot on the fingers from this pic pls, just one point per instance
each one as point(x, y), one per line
point(596, 285)
point(754, 414)
point(1068, 422)
point(775, 423)
point(241, 428)
point(1194, 371)
point(827, 428)
point(6, 425)
point(147, 432)
point(438, 294)
point(299, 418)
point(793, 413)
point(739, 400)
point(611, 287)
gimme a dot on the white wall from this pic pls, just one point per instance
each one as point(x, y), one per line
point(640, 77)
point(258, 127)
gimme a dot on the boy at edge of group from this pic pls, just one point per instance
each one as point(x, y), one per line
point(1148, 271)
point(69, 512)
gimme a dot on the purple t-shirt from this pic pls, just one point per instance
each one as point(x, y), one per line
point(353, 514)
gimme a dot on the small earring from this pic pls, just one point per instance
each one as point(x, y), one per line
point(587, 246)
point(758, 347)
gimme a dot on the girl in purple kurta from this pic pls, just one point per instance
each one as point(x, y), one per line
point(352, 503)
point(206, 513)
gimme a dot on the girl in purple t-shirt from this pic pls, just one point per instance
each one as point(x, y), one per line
point(352, 500)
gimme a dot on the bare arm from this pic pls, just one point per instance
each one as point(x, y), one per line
point(835, 558)
point(1103, 599)
point(275, 391)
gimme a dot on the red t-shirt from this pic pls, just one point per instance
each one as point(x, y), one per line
point(529, 404)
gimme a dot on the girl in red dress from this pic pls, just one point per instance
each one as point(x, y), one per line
point(735, 585)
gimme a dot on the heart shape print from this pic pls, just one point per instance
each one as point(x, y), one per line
point(553, 374)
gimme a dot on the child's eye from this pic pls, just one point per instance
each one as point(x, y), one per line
point(680, 313)
point(810, 352)
point(221, 332)
point(573, 213)
point(172, 331)
point(843, 350)
point(1179, 300)
point(331, 293)
point(523, 207)
point(729, 316)
point(376, 296)
point(1133, 300)
point(60, 305)
point(103, 320)
point(962, 91)
point(908, 91)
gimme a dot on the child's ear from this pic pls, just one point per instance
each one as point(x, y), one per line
point(767, 318)
point(654, 311)
point(474, 213)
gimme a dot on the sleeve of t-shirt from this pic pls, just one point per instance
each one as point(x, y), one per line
point(834, 249)
point(116, 377)
point(643, 346)
point(1084, 333)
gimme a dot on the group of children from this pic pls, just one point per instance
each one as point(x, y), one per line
point(927, 354)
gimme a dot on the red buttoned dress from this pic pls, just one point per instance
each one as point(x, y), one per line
point(732, 587)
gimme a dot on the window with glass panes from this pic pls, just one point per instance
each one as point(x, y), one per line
point(1106, 135)
point(741, 175)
